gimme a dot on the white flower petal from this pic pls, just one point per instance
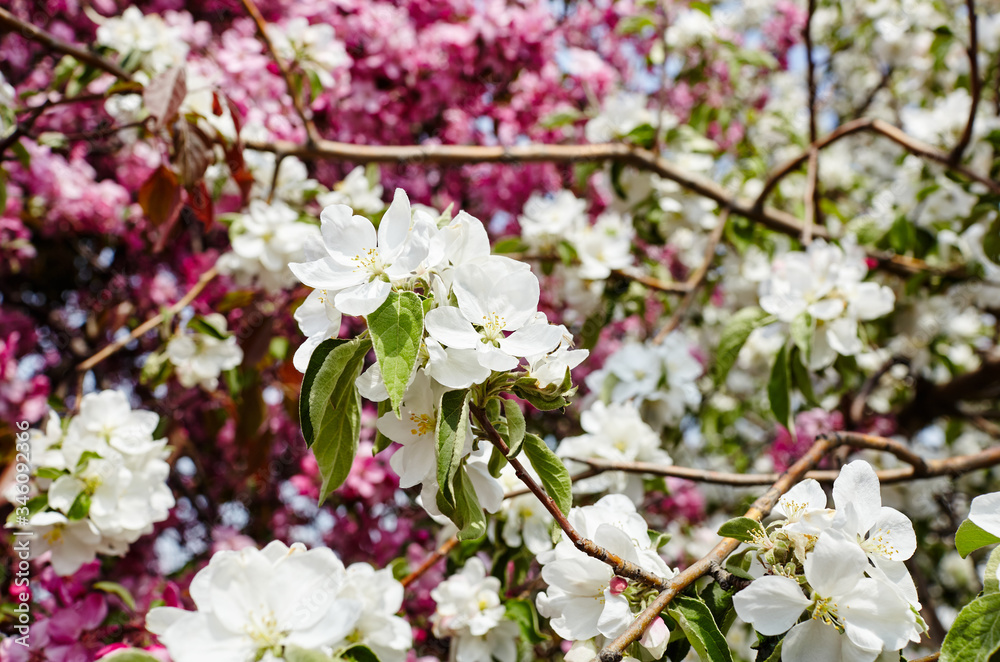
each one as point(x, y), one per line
point(771, 604)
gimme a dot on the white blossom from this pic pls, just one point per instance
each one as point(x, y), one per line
point(199, 358)
point(253, 603)
point(359, 265)
point(617, 433)
point(470, 612)
point(355, 191)
point(265, 241)
point(825, 282)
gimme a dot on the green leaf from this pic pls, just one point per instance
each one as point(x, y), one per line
point(734, 336)
point(658, 539)
point(497, 462)
point(515, 426)
point(359, 653)
point(991, 241)
point(561, 117)
point(201, 325)
point(467, 514)
point(85, 457)
point(130, 655)
point(381, 441)
point(397, 328)
point(551, 470)
point(990, 582)
point(453, 411)
point(742, 529)
point(117, 589)
point(49, 472)
point(779, 391)
point(523, 613)
point(80, 507)
point(970, 537)
point(975, 634)
point(510, 245)
point(330, 408)
point(801, 329)
point(801, 377)
point(701, 630)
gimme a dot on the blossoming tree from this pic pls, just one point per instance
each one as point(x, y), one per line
point(342, 330)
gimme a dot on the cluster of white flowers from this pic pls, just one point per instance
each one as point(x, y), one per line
point(469, 611)
point(201, 356)
point(265, 240)
point(853, 583)
point(659, 379)
point(315, 48)
point(525, 519)
point(416, 461)
point(494, 326)
point(358, 191)
point(601, 247)
point(264, 604)
point(101, 480)
point(614, 432)
point(145, 41)
point(584, 598)
point(826, 284)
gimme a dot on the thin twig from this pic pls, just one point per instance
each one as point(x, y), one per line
point(884, 129)
point(652, 282)
point(430, 561)
point(312, 135)
point(810, 70)
point(621, 567)
point(952, 466)
point(36, 34)
point(975, 86)
point(933, 657)
point(811, 197)
point(696, 280)
point(151, 323)
point(643, 159)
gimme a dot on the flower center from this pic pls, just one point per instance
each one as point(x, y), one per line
point(493, 328)
point(880, 545)
point(826, 609)
point(54, 535)
point(370, 260)
point(422, 424)
point(263, 631)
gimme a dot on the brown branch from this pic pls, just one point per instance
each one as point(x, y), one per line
point(651, 282)
point(975, 86)
point(760, 508)
point(811, 197)
point(774, 219)
point(953, 466)
point(621, 567)
point(36, 34)
point(108, 350)
point(810, 70)
point(430, 561)
point(857, 410)
point(696, 280)
point(312, 135)
point(933, 657)
point(884, 129)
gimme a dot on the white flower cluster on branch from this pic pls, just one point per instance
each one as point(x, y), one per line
point(101, 481)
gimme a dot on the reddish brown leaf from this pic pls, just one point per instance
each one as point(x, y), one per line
point(160, 197)
point(164, 95)
point(216, 105)
point(192, 152)
point(200, 202)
